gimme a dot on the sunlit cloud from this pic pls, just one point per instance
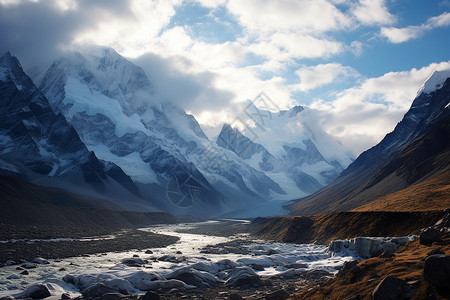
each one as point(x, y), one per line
point(401, 35)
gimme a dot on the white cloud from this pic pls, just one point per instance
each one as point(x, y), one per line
point(373, 12)
point(361, 116)
point(315, 76)
point(400, 35)
point(288, 15)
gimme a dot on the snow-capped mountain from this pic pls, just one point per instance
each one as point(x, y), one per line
point(39, 145)
point(287, 145)
point(159, 154)
point(415, 151)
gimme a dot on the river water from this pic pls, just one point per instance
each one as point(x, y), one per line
point(71, 275)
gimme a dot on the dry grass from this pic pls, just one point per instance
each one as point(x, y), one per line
point(432, 194)
point(407, 264)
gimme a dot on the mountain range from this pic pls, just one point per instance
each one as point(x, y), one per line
point(93, 126)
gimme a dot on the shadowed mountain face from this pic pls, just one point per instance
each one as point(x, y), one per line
point(417, 150)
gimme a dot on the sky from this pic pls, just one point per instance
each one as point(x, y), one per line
point(357, 63)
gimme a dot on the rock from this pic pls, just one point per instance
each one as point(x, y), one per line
point(243, 276)
point(112, 296)
point(257, 267)
point(437, 271)
point(41, 261)
point(179, 252)
point(97, 290)
point(10, 263)
point(429, 236)
point(62, 269)
point(194, 277)
point(25, 272)
point(411, 288)
point(149, 251)
point(133, 262)
point(235, 296)
point(296, 266)
point(28, 265)
point(366, 247)
point(20, 269)
point(390, 287)
point(36, 291)
point(348, 265)
point(436, 251)
point(172, 259)
point(13, 276)
point(277, 295)
point(65, 296)
point(135, 255)
point(143, 280)
point(150, 296)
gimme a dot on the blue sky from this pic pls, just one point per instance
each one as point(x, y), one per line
point(358, 63)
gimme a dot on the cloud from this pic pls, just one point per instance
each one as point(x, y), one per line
point(401, 35)
point(362, 115)
point(36, 32)
point(372, 12)
point(319, 75)
point(265, 16)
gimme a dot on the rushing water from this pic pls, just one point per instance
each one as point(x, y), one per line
point(274, 257)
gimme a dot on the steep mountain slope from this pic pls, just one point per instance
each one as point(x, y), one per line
point(417, 150)
point(39, 145)
point(288, 147)
point(110, 103)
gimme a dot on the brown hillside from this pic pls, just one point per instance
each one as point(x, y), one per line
point(431, 194)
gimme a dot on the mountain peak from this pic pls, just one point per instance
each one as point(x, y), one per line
point(434, 82)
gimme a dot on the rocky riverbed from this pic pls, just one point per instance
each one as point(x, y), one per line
point(208, 260)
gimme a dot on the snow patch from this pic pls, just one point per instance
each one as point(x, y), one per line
point(132, 164)
point(434, 82)
point(82, 99)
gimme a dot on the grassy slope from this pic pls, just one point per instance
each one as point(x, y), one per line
point(407, 264)
point(325, 228)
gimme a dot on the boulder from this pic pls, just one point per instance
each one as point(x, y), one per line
point(143, 280)
point(36, 291)
point(25, 272)
point(437, 271)
point(65, 296)
point(257, 267)
point(41, 261)
point(235, 296)
point(277, 295)
point(389, 288)
point(28, 265)
point(195, 277)
point(429, 236)
point(150, 296)
point(296, 266)
point(243, 276)
point(149, 251)
point(112, 296)
point(97, 290)
point(133, 262)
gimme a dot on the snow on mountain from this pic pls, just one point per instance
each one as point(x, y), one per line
point(110, 103)
point(434, 82)
point(288, 146)
point(39, 145)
